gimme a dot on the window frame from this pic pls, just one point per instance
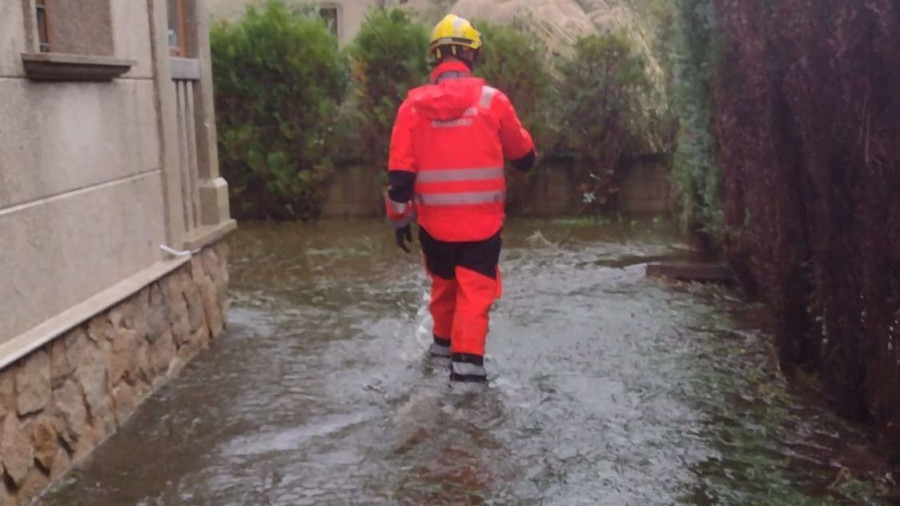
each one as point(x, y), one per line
point(183, 49)
point(42, 23)
point(337, 17)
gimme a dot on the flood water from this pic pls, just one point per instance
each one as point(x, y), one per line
point(606, 388)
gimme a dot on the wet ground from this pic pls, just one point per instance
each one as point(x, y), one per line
point(606, 388)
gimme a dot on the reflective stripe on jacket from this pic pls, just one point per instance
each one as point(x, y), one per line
point(455, 135)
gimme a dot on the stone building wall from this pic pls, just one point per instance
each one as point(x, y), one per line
point(61, 401)
point(80, 176)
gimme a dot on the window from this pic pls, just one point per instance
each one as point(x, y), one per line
point(330, 15)
point(71, 40)
point(81, 27)
point(178, 33)
point(42, 26)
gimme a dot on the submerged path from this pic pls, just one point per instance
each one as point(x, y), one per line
point(607, 388)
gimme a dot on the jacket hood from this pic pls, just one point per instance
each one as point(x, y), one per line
point(447, 100)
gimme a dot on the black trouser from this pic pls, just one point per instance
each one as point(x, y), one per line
point(442, 258)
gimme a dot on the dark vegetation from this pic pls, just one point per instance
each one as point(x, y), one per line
point(788, 160)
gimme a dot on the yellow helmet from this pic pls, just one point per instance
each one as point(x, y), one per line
point(454, 31)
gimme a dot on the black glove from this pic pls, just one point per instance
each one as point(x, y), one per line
point(525, 163)
point(403, 234)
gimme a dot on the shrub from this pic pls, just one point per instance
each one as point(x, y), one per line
point(602, 116)
point(388, 59)
point(279, 78)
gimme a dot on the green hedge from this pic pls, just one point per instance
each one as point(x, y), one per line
point(279, 79)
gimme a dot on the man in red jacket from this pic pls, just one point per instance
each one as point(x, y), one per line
point(446, 167)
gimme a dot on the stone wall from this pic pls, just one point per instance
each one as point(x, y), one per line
point(61, 401)
point(646, 188)
point(355, 192)
point(552, 191)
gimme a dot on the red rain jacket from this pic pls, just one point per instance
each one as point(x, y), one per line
point(455, 135)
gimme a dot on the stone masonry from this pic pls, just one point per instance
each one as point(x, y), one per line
point(61, 401)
